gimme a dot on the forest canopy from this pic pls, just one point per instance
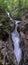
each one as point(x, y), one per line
point(16, 8)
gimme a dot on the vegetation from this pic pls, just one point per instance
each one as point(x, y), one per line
point(16, 8)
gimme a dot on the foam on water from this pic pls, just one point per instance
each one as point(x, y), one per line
point(17, 21)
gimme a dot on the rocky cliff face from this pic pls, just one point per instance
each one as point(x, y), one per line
point(24, 42)
point(6, 49)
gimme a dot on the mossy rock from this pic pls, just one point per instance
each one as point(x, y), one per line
point(24, 21)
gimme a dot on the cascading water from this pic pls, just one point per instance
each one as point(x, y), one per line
point(16, 42)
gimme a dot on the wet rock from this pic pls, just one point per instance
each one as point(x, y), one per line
point(5, 36)
point(24, 46)
point(7, 50)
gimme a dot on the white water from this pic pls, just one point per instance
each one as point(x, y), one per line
point(9, 15)
point(16, 41)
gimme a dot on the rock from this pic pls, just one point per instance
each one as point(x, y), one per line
point(23, 22)
point(7, 51)
point(24, 46)
point(11, 26)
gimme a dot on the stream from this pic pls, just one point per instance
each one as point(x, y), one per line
point(16, 42)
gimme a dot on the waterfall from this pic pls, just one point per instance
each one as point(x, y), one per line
point(16, 42)
point(9, 15)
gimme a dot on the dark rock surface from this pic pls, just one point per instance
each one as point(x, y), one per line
point(24, 46)
point(6, 49)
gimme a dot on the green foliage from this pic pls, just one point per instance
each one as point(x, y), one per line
point(17, 8)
